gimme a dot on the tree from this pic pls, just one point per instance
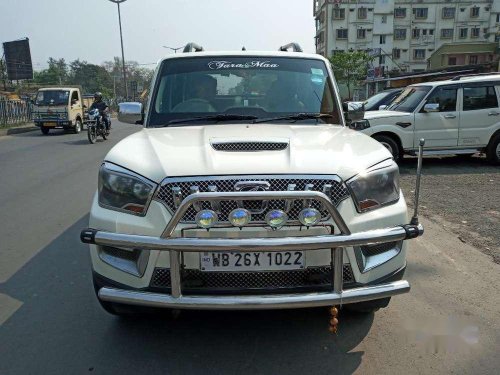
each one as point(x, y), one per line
point(135, 73)
point(55, 74)
point(350, 67)
point(91, 77)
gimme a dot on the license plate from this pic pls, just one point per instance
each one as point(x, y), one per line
point(50, 124)
point(262, 261)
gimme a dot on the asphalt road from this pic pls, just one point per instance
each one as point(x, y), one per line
point(50, 322)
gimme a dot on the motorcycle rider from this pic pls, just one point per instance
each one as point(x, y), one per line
point(103, 108)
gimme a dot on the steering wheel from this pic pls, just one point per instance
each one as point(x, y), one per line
point(194, 105)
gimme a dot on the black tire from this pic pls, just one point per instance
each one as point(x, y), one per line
point(91, 134)
point(105, 134)
point(390, 144)
point(493, 150)
point(78, 126)
point(44, 130)
point(368, 306)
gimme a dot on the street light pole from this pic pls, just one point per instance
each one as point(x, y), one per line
point(121, 41)
point(175, 49)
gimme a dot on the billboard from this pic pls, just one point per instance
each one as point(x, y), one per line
point(18, 59)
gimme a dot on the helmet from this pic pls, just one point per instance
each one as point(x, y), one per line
point(98, 96)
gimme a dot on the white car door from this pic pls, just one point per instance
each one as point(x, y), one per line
point(480, 114)
point(440, 128)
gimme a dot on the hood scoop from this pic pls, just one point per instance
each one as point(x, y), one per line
point(249, 146)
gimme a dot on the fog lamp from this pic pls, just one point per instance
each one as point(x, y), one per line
point(276, 218)
point(206, 219)
point(239, 217)
point(309, 217)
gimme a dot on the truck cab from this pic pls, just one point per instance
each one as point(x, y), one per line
point(59, 108)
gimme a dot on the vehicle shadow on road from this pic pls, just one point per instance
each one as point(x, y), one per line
point(60, 328)
point(448, 165)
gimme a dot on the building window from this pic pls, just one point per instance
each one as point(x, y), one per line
point(446, 33)
point(473, 59)
point(361, 33)
point(338, 14)
point(474, 32)
point(342, 33)
point(381, 59)
point(474, 12)
point(420, 13)
point(498, 17)
point(415, 33)
point(419, 54)
point(448, 13)
point(396, 53)
point(400, 13)
point(362, 13)
point(384, 19)
point(400, 34)
point(382, 39)
point(452, 60)
point(463, 33)
point(476, 98)
point(431, 31)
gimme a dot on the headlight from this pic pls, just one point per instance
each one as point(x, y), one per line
point(376, 187)
point(123, 190)
point(360, 125)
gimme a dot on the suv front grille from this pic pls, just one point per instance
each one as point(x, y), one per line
point(165, 194)
point(249, 146)
point(237, 281)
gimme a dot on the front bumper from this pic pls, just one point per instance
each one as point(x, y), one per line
point(177, 246)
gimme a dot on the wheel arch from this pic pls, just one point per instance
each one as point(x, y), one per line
point(392, 135)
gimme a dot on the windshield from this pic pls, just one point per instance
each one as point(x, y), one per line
point(255, 87)
point(409, 99)
point(373, 100)
point(52, 97)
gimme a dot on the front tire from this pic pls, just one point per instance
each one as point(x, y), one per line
point(78, 126)
point(390, 144)
point(493, 150)
point(44, 130)
point(91, 134)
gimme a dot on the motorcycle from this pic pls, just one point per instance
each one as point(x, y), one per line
point(96, 126)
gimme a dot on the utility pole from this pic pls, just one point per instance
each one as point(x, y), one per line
point(118, 2)
point(175, 49)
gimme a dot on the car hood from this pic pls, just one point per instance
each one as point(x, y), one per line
point(373, 115)
point(188, 151)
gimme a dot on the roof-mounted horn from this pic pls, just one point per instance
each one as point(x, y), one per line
point(294, 46)
point(193, 47)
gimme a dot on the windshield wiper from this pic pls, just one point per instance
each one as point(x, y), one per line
point(295, 117)
point(216, 118)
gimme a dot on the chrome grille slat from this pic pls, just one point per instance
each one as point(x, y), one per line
point(338, 192)
point(308, 277)
point(249, 146)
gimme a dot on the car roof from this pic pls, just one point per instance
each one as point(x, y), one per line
point(297, 55)
point(465, 79)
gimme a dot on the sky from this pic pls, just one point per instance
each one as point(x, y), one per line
point(88, 29)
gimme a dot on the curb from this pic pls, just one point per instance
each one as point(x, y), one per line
point(18, 130)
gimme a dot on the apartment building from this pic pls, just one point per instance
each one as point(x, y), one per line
point(404, 35)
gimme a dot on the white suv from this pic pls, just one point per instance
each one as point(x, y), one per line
point(458, 116)
point(245, 190)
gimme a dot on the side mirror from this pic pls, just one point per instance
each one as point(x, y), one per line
point(431, 107)
point(382, 107)
point(130, 113)
point(354, 111)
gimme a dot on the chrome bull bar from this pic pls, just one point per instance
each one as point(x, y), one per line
point(176, 245)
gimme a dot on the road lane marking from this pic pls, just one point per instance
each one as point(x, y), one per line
point(8, 306)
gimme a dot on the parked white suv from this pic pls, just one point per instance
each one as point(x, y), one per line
point(245, 190)
point(458, 116)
